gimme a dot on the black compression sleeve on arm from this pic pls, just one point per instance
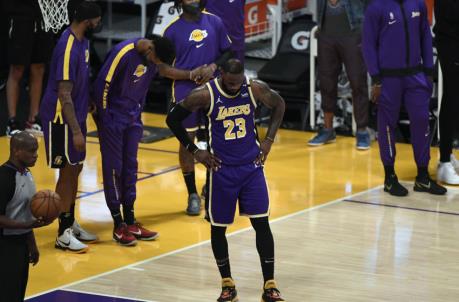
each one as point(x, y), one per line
point(174, 121)
point(228, 54)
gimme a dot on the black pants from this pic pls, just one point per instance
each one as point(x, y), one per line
point(14, 268)
point(333, 53)
point(448, 53)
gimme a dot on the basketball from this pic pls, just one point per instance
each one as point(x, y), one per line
point(46, 204)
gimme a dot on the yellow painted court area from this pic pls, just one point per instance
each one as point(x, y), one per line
point(299, 177)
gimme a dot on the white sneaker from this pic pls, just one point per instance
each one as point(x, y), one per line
point(447, 174)
point(67, 241)
point(82, 234)
point(454, 162)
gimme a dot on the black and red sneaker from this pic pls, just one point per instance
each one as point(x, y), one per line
point(141, 233)
point(271, 293)
point(122, 235)
point(229, 292)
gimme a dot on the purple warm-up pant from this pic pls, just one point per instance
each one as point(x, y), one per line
point(414, 93)
point(119, 138)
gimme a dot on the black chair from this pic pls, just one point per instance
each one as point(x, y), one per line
point(288, 71)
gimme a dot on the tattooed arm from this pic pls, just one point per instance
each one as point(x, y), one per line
point(65, 98)
point(275, 102)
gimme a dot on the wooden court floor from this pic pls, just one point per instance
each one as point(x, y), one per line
point(345, 251)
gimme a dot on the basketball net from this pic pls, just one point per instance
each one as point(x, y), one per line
point(55, 14)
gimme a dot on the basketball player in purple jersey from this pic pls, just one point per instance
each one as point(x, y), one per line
point(200, 39)
point(63, 110)
point(232, 14)
point(119, 94)
point(235, 162)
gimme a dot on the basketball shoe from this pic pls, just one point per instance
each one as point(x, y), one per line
point(194, 205)
point(34, 127)
point(122, 235)
point(229, 292)
point(82, 234)
point(270, 292)
point(68, 242)
point(142, 233)
point(428, 185)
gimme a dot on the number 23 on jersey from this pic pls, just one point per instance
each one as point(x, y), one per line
point(232, 133)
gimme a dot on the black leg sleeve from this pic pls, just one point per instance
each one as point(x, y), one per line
point(265, 246)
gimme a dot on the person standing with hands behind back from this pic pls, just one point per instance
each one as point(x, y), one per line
point(17, 240)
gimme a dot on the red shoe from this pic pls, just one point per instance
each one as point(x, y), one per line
point(122, 235)
point(142, 233)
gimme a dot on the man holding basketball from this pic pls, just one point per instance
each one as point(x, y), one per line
point(63, 110)
point(17, 241)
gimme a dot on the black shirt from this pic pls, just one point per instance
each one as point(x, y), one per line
point(447, 19)
point(25, 8)
point(7, 187)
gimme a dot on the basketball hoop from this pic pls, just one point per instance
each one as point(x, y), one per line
point(55, 14)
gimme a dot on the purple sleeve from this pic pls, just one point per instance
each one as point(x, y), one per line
point(426, 40)
point(67, 65)
point(370, 40)
point(224, 39)
point(110, 75)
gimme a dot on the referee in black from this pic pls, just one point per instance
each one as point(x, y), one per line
point(17, 241)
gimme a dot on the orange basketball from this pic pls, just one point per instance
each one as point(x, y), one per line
point(46, 204)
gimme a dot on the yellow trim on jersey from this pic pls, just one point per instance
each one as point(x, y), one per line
point(224, 93)
point(210, 133)
point(169, 25)
point(58, 115)
point(249, 88)
point(116, 61)
point(173, 84)
point(173, 92)
point(66, 65)
point(211, 107)
point(112, 69)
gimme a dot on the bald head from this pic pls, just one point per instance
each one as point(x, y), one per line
point(22, 140)
point(23, 149)
point(232, 76)
point(233, 66)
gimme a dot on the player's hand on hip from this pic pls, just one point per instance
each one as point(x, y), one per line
point(207, 159)
point(265, 148)
point(79, 142)
point(375, 93)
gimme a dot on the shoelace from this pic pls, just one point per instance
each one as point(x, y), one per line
point(226, 292)
point(125, 231)
point(273, 293)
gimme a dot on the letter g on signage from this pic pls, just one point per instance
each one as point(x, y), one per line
point(300, 40)
point(252, 15)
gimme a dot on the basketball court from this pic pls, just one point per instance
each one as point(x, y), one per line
point(339, 237)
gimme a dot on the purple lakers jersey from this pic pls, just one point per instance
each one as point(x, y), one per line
point(232, 14)
point(232, 132)
point(70, 62)
point(196, 43)
point(123, 81)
